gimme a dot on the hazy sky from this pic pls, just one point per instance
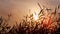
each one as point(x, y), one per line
point(19, 8)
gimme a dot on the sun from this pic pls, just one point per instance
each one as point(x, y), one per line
point(35, 16)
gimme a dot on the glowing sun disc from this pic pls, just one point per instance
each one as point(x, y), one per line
point(35, 16)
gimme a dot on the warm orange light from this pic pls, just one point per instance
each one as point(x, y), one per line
point(47, 22)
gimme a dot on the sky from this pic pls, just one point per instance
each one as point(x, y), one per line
point(20, 8)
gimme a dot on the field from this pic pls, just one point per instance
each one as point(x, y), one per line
point(45, 22)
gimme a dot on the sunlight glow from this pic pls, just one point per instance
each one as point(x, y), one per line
point(35, 16)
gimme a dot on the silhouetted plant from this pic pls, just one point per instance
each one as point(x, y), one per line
point(34, 27)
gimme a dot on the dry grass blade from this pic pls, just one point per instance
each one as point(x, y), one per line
point(58, 6)
point(39, 5)
point(1, 20)
point(48, 9)
point(54, 11)
point(41, 11)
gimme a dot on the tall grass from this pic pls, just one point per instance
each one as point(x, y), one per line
point(29, 26)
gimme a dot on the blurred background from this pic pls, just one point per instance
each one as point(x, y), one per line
point(20, 8)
